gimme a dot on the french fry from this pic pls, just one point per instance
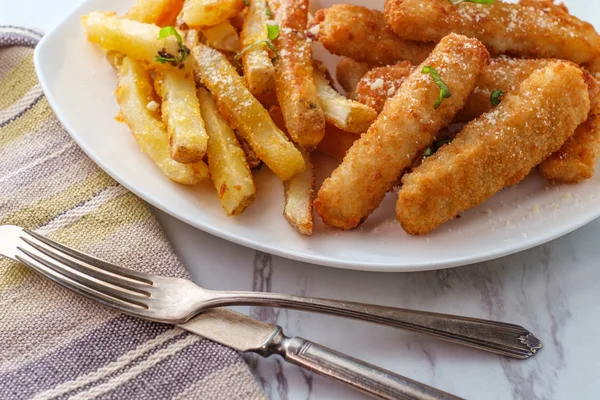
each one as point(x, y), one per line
point(251, 157)
point(134, 39)
point(346, 114)
point(336, 142)
point(135, 95)
point(192, 38)
point(115, 59)
point(298, 191)
point(259, 72)
point(222, 36)
point(159, 12)
point(299, 194)
point(181, 114)
point(246, 114)
point(348, 73)
point(200, 13)
point(294, 80)
point(226, 160)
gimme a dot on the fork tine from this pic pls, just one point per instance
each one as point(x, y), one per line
point(127, 273)
point(86, 282)
point(113, 279)
point(82, 290)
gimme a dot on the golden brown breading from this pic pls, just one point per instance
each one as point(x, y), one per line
point(381, 83)
point(504, 73)
point(576, 160)
point(294, 82)
point(348, 73)
point(526, 30)
point(497, 150)
point(361, 34)
point(336, 142)
point(407, 124)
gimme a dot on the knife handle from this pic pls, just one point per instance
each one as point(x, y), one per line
point(368, 378)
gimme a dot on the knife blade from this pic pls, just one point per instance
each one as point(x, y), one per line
point(233, 329)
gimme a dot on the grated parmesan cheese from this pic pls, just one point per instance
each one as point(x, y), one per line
point(152, 106)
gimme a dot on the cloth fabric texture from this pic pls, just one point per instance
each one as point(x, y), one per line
point(55, 344)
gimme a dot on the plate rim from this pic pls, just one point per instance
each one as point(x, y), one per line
point(315, 259)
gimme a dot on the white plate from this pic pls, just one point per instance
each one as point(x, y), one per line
point(79, 85)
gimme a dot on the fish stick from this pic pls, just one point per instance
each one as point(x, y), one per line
point(348, 74)
point(503, 73)
point(361, 34)
point(524, 30)
point(382, 83)
point(577, 158)
point(407, 125)
point(336, 142)
point(497, 150)
point(573, 163)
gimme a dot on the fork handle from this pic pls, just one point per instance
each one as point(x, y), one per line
point(496, 337)
point(365, 377)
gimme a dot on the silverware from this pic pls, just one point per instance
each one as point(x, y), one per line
point(176, 301)
point(245, 334)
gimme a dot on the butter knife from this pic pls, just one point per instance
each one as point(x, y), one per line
point(245, 334)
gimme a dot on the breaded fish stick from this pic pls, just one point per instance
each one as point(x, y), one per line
point(525, 30)
point(577, 158)
point(407, 125)
point(574, 162)
point(497, 150)
point(361, 34)
point(382, 83)
point(503, 73)
point(348, 74)
point(336, 142)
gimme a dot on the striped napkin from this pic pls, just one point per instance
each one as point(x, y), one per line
point(54, 344)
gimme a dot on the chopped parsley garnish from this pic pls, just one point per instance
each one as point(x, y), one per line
point(269, 12)
point(272, 31)
point(272, 34)
point(246, 2)
point(496, 97)
point(435, 146)
point(444, 90)
point(472, 1)
point(164, 56)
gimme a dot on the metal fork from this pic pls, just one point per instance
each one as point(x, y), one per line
point(176, 301)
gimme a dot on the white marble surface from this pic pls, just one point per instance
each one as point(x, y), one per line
point(552, 290)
